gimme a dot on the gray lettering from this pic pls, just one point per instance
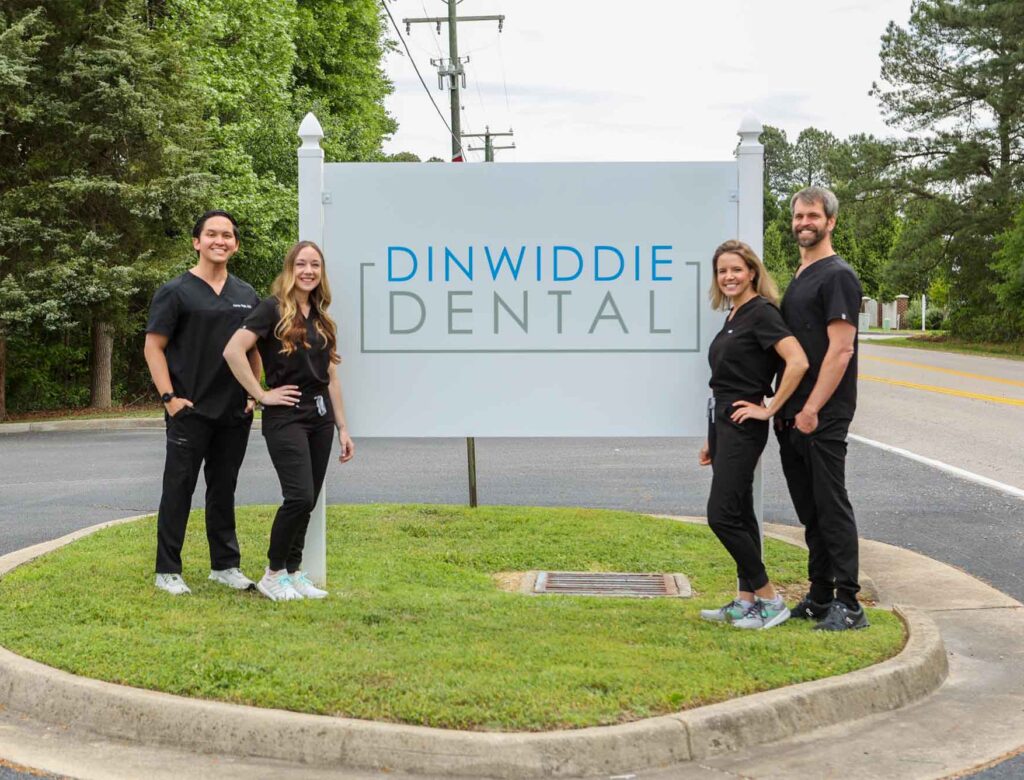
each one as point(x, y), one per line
point(608, 301)
point(654, 329)
point(558, 297)
point(391, 314)
point(452, 311)
point(521, 322)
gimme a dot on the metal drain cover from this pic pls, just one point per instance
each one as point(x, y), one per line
point(588, 583)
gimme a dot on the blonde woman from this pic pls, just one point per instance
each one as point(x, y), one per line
point(297, 340)
point(745, 357)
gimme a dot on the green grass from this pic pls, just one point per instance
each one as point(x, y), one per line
point(1010, 350)
point(415, 629)
point(905, 332)
point(87, 413)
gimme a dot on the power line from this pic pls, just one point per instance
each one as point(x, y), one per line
point(425, 87)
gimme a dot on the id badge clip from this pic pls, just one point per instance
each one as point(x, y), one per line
point(321, 407)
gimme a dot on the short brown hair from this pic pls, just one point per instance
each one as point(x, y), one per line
point(763, 283)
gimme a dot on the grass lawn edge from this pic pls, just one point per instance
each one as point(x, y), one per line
point(632, 715)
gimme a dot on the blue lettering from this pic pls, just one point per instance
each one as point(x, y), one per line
point(597, 264)
point(430, 263)
point(504, 257)
point(449, 257)
point(554, 263)
point(656, 261)
point(391, 270)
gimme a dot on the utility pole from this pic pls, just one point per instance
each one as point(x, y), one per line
point(451, 69)
point(488, 147)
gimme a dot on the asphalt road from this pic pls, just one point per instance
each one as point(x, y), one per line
point(965, 411)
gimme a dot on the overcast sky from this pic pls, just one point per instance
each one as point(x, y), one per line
point(642, 80)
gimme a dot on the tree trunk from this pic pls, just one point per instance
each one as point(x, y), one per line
point(3, 376)
point(102, 359)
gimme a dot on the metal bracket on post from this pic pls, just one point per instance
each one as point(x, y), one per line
point(311, 228)
point(750, 230)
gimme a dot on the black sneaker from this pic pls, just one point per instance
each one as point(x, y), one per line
point(840, 618)
point(809, 610)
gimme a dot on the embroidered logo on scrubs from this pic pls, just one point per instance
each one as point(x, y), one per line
point(843, 316)
point(729, 331)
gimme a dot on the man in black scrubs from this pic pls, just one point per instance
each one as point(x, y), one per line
point(821, 307)
point(207, 413)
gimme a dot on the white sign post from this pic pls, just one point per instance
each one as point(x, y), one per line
point(530, 299)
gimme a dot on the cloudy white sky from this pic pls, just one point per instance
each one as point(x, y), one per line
point(643, 79)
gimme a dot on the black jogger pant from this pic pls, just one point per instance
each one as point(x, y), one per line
point(735, 449)
point(218, 446)
point(815, 469)
point(300, 447)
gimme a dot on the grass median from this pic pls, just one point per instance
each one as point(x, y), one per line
point(416, 630)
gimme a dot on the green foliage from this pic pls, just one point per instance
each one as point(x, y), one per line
point(953, 78)
point(868, 227)
point(121, 120)
point(1008, 266)
point(415, 629)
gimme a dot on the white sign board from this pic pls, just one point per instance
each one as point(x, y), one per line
point(547, 299)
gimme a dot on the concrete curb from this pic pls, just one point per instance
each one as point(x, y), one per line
point(149, 717)
point(92, 424)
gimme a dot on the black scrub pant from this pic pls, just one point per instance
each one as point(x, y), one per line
point(815, 469)
point(299, 441)
point(735, 449)
point(218, 446)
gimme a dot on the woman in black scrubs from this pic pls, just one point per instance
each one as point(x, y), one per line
point(297, 340)
point(745, 357)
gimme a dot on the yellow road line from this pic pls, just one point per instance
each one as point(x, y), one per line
point(996, 399)
point(954, 372)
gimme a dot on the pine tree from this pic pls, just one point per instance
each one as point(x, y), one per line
point(953, 78)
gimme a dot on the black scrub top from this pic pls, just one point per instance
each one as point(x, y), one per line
point(198, 324)
point(307, 368)
point(826, 290)
point(743, 357)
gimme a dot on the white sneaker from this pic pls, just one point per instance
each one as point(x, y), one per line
point(304, 585)
point(172, 583)
point(278, 587)
point(233, 578)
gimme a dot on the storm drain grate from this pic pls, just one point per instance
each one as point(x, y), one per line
point(584, 583)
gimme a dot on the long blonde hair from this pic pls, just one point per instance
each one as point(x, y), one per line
point(291, 328)
point(763, 283)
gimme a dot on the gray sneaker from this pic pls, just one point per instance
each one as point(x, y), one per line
point(233, 578)
point(763, 614)
point(726, 614)
point(841, 618)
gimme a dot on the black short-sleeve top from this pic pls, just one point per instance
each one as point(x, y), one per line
point(308, 368)
point(824, 291)
point(742, 356)
point(198, 323)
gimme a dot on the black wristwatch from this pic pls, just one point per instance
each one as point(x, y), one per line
point(166, 397)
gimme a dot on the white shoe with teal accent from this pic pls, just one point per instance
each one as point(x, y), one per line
point(764, 614)
point(304, 585)
point(734, 610)
point(278, 587)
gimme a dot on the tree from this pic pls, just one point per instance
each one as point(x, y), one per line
point(20, 41)
point(108, 176)
point(953, 78)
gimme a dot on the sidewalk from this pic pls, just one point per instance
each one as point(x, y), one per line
point(977, 714)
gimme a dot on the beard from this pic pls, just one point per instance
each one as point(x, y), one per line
point(806, 240)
